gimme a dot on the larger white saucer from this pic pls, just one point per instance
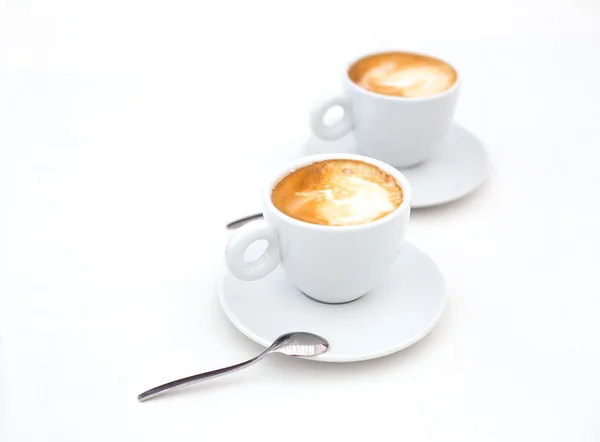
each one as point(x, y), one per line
point(393, 316)
point(458, 168)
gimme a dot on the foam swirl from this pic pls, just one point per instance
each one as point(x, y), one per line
point(402, 74)
point(337, 193)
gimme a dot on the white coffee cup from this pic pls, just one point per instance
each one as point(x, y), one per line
point(398, 130)
point(332, 264)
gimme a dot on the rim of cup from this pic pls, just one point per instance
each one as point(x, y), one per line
point(311, 159)
point(448, 91)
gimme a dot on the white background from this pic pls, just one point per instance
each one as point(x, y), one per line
point(132, 131)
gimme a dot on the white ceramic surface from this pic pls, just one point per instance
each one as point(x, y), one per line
point(454, 171)
point(332, 264)
point(398, 130)
point(393, 316)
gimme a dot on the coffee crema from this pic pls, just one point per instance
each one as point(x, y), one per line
point(403, 74)
point(337, 193)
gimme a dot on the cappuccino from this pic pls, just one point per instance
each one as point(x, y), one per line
point(337, 193)
point(402, 74)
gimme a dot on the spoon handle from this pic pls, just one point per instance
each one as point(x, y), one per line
point(198, 378)
point(240, 222)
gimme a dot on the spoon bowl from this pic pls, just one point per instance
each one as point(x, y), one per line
point(301, 344)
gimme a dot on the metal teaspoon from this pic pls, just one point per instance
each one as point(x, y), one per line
point(291, 344)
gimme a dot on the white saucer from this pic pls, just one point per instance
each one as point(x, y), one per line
point(458, 168)
point(393, 316)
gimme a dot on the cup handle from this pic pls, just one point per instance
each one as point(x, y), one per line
point(239, 243)
point(338, 129)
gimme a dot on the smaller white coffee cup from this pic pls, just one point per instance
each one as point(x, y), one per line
point(401, 131)
point(332, 264)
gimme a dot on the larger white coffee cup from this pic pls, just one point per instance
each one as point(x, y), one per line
point(402, 131)
point(332, 264)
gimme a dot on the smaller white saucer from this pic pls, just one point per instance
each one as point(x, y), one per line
point(458, 168)
point(398, 313)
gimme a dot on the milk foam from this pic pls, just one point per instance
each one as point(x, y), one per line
point(350, 200)
point(403, 74)
point(337, 193)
